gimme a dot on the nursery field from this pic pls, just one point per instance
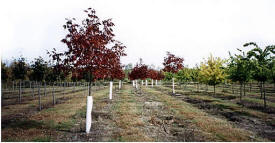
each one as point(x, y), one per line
point(143, 114)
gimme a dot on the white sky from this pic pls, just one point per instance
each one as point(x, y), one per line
point(191, 29)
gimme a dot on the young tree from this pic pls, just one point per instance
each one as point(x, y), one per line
point(91, 49)
point(153, 75)
point(239, 69)
point(139, 71)
point(39, 69)
point(183, 75)
point(212, 71)
point(261, 59)
point(172, 64)
point(19, 69)
point(272, 71)
point(5, 76)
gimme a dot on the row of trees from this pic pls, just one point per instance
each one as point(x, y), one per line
point(255, 65)
point(37, 70)
point(142, 72)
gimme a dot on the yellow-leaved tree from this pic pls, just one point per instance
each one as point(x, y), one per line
point(212, 71)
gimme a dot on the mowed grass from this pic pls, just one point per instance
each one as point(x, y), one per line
point(213, 128)
point(128, 118)
point(49, 121)
point(226, 104)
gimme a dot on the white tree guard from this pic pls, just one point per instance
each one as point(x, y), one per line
point(136, 84)
point(173, 86)
point(133, 83)
point(89, 113)
point(119, 84)
point(111, 90)
point(142, 82)
point(152, 83)
point(156, 82)
point(146, 83)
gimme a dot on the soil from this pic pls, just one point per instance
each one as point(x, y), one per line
point(259, 126)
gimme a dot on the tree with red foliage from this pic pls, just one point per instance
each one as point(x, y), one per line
point(139, 71)
point(91, 48)
point(172, 64)
point(153, 74)
point(160, 75)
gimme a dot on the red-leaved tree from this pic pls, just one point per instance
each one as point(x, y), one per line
point(139, 71)
point(172, 63)
point(91, 48)
point(153, 74)
point(160, 75)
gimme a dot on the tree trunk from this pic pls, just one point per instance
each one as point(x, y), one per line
point(173, 86)
point(89, 88)
point(39, 101)
point(264, 96)
point(33, 90)
point(261, 89)
point(214, 89)
point(53, 95)
point(44, 88)
point(241, 92)
point(244, 89)
point(20, 92)
point(250, 86)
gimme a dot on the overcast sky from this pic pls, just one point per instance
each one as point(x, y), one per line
point(191, 29)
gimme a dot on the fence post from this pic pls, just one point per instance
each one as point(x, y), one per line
point(74, 87)
point(20, 91)
point(33, 90)
point(53, 95)
point(64, 89)
point(12, 85)
point(44, 88)
point(39, 101)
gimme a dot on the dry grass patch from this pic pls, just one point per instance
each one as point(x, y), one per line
point(212, 127)
point(128, 118)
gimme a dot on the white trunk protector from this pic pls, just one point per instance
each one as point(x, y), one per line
point(173, 86)
point(111, 90)
point(89, 113)
point(119, 85)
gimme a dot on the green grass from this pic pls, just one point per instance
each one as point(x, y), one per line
point(216, 129)
point(65, 126)
point(42, 139)
point(259, 101)
point(25, 124)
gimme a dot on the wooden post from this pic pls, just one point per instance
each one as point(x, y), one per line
point(74, 87)
point(64, 89)
point(33, 91)
point(12, 85)
point(53, 95)
point(45, 89)
point(39, 101)
point(20, 91)
point(84, 87)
